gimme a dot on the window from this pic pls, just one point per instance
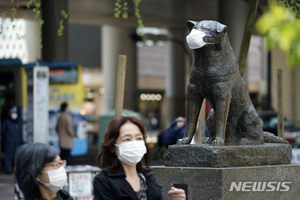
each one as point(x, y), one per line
point(63, 75)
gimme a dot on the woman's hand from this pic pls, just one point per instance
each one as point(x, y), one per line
point(178, 194)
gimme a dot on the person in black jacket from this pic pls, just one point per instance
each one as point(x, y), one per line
point(174, 132)
point(124, 159)
point(40, 173)
point(10, 138)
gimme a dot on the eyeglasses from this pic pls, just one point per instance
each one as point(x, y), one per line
point(56, 165)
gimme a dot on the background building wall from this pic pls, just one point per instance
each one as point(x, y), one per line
point(19, 39)
point(84, 45)
point(291, 93)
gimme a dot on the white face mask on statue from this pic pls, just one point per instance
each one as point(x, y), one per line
point(57, 179)
point(195, 39)
point(131, 152)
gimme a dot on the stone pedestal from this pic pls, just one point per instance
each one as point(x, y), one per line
point(204, 155)
point(232, 183)
point(231, 172)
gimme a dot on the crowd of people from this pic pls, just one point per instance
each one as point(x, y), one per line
point(124, 161)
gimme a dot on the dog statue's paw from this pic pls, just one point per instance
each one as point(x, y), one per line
point(208, 140)
point(218, 142)
point(245, 141)
point(186, 140)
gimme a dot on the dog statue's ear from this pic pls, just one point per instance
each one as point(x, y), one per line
point(190, 24)
point(221, 28)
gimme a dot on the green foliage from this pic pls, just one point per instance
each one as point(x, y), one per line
point(36, 4)
point(294, 6)
point(13, 13)
point(61, 29)
point(3, 14)
point(36, 8)
point(280, 25)
point(138, 16)
point(121, 10)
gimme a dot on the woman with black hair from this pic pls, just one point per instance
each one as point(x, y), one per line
point(40, 173)
point(125, 159)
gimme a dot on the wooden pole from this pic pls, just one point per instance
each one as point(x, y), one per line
point(199, 136)
point(247, 35)
point(280, 114)
point(120, 85)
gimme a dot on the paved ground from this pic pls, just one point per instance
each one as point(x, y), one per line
point(6, 186)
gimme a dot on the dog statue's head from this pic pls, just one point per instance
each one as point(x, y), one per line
point(205, 33)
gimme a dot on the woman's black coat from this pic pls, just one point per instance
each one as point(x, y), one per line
point(113, 186)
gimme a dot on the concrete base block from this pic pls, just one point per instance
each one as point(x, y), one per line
point(233, 183)
point(204, 155)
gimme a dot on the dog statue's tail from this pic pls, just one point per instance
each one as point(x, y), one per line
point(271, 138)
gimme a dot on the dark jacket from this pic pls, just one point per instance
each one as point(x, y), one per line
point(113, 185)
point(63, 194)
point(9, 132)
point(172, 134)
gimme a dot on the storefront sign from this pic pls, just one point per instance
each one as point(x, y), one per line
point(80, 184)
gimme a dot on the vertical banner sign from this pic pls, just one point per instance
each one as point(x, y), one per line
point(40, 104)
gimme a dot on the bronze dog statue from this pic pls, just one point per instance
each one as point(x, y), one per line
point(215, 76)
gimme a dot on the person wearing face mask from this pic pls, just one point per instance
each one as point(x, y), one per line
point(10, 138)
point(124, 159)
point(40, 173)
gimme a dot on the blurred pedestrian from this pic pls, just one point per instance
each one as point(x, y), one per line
point(125, 159)
point(174, 132)
point(40, 173)
point(65, 132)
point(10, 138)
point(9, 102)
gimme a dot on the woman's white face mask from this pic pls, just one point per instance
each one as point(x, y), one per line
point(57, 179)
point(14, 116)
point(131, 152)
